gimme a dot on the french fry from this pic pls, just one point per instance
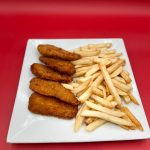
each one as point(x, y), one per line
point(121, 93)
point(115, 66)
point(116, 72)
point(107, 89)
point(110, 98)
point(113, 60)
point(114, 103)
point(67, 86)
point(110, 83)
point(90, 53)
point(95, 124)
point(104, 109)
point(81, 92)
point(101, 60)
point(83, 68)
point(89, 120)
point(92, 71)
point(101, 87)
point(104, 116)
point(85, 95)
point(121, 86)
point(126, 99)
point(74, 85)
point(82, 86)
point(133, 99)
point(132, 118)
point(98, 81)
point(82, 61)
point(80, 73)
point(120, 79)
point(101, 101)
point(101, 45)
point(79, 66)
point(79, 119)
point(76, 50)
point(110, 55)
point(112, 51)
point(125, 77)
point(97, 92)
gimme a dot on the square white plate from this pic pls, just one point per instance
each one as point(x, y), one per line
point(26, 127)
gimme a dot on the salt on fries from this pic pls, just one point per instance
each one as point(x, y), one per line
point(100, 84)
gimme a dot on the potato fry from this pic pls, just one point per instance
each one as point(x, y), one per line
point(120, 79)
point(101, 45)
point(79, 119)
point(126, 99)
point(132, 118)
point(85, 95)
point(101, 60)
point(104, 116)
point(80, 73)
point(80, 93)
point(74, 85)
point(121, 86)
point(125, 77)
point(115, 66)
point(83, 68)
point(112, 51)
point(82, 86)
point(101, 87)
point(82, 61)
point(110, 83)
point(113, 60)
point(120, 92)
point(89, 53)
point(110, 55)
point(98, 81)
point(92, 71)
point(107, 89)
point(95, 124)
point(97, 92)
point(76, 50)
point(133, 99)
point(116, 72)
point(79, 66)
point(110, 98)
point(104, 109)
point(89, 120)
point(67, 86)
point(114, 103)
point(101, 101)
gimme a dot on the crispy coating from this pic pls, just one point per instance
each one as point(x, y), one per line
point(44, 105)
point(56, 52)
point(45, 72)
point(53, 89)
point(58, 65)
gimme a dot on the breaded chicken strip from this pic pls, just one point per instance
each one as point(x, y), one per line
point(58, 65)
point(56, 52)
point(44, 105)
point(53, 89)
point(45, 72)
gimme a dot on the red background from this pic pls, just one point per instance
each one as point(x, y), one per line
point(20, 21)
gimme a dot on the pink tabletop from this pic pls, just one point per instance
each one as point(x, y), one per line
point(20, 21)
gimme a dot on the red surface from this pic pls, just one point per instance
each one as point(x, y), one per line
point(21, 21)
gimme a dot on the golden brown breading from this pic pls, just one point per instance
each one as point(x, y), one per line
point(56, 52)
point(45, 72)
point(54, 89)
point(58, 65)
point(44, 105)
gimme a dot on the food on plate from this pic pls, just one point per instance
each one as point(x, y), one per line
point(45, 72)
point(59, 65)
point(44, 105)
point(93, 76)
point(56, 52)
point(53, 89)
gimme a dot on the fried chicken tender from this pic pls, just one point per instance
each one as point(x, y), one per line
point(56, 52)
point(45, 72)
point(58, 65)
point(44, 105)
point(53, 89)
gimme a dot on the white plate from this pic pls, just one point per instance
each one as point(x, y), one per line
point(26, 127)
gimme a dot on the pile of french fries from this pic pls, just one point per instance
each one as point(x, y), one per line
point(102, 85)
